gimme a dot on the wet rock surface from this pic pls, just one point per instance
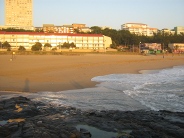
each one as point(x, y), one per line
point(22, 118)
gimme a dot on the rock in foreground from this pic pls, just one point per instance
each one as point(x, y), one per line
point(22, 118)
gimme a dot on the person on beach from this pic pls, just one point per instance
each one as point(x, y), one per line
point(13, 56)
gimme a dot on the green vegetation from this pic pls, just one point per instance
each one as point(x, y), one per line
point(120, 38)
point(6, 45)
point(37, 46)
point(16, 30)
point(47, 45)
point(21, 48)
point(68, 45)
point(125, 38)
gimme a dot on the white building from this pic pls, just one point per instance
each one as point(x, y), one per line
point(82, 41)
point(176, 47)
point(179, 29)
point(168, 31)
point(139, 29)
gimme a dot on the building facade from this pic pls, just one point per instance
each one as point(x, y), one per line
point(19, 14)
point(151, 46)
point(179, 29)
point(176, 47)
point(85, 30)
point(48, 28)
point(51, 28)
point(78, 26)
point(139, 29)
point(167, 31)
point(82, 41)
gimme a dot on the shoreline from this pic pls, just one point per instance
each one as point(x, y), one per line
point(4, 92)
point(32, 73)
point(23, 117)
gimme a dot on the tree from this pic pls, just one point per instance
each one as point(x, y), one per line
point(37, 46)
point(113, 45)
point(68, 45)
point(47, 45)
point(16, 30)
point(72, 45)
point(21, 48)
point(96, 30)
point(39, 30)
point(76, 31)
point(6, 45)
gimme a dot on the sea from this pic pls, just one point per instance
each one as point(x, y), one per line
point(148, 90)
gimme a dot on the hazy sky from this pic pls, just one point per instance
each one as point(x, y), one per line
point(113, 13)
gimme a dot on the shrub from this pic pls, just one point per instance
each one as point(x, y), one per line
point(21, 48)
point(37, 46)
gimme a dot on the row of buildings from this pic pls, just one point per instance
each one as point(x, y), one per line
point(144, 29)
point(134, 28)
point(19, 15)
point(157, 48)
point(82, 41)
point(74, 28)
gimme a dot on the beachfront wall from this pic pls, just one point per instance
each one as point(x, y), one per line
point(176, 47)
point(82, 41)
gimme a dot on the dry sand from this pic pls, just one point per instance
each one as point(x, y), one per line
point(35, 73)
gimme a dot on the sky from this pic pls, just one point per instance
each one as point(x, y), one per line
point(112, 13)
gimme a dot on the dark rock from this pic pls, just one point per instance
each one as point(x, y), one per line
point(39, 124)
point(9, 104)
point(4, 131)
point(85, 133)
point(1, 107)
point(17, 133)
point(46, 135)
point(63, 136)
point(50, 121)
point(13, 126)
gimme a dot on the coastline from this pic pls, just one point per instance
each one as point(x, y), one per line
point(34, 73)
point(22, 116)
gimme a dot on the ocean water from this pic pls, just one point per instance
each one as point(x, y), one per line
point(149, 90)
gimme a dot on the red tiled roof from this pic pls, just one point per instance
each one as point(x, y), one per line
point(56, 34)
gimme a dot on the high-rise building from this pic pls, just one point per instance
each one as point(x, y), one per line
point(19, 14)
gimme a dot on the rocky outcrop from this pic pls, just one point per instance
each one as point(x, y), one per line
point(22, 118)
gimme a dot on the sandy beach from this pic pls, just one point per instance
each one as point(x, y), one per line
point(36, 73)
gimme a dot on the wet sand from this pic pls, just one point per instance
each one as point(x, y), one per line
point(36, 73)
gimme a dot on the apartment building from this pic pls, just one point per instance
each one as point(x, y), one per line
point(78, 25)
point(51, 28)
point(152, 31)
point(179, 29)
point(19, 14)
point(85, 30)
point(82, 41)
point(139, 29)
point(167, 31)
point(67, 29)
point(48, 28)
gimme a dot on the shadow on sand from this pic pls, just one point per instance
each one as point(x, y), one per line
point(26, 86)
